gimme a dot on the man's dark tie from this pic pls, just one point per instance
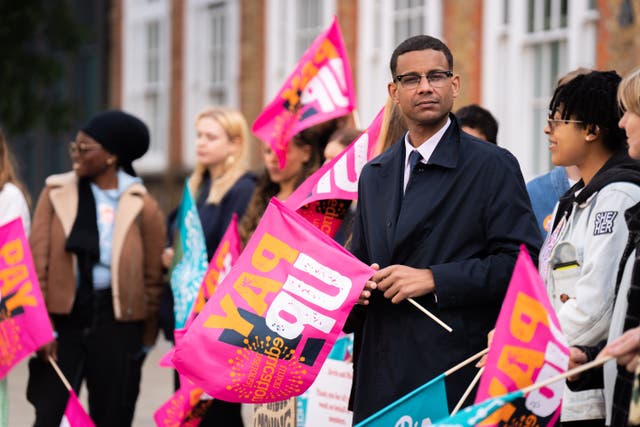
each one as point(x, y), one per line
point(414, 159)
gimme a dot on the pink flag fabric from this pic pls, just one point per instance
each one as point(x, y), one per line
point(338, 179)
point(184, 409)
point(528, 347)
point(320, 88)
point(74, 414)
point(225, 256)
point(24, 322)
point(265, 332)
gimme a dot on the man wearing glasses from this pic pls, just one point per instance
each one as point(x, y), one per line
point(442, 217)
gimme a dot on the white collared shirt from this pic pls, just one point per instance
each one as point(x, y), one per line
point(425, 149)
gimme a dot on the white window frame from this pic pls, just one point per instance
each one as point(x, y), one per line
point(197, 84)
point(508, 73)
point(137, 14)
point(281, 57)
point(376, 44)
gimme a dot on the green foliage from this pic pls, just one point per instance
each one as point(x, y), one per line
point(37, 40)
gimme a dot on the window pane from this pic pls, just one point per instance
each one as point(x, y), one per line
point(547, 15)
point(153, 52)
point(308, 24)
point(563, 13)
point(408, 19)
point(218, 42)
point(531, 16)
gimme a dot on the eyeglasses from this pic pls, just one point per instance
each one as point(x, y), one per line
point(553, 123)
point(437, 78)
point(81, 149)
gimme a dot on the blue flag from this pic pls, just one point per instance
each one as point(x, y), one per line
point(420, 407)
point(474, 415)
point(189, 263)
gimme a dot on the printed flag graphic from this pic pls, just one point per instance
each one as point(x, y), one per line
point(190, 259)
point(422, 407)
point(24, 322)
point(473, 415)
point(320, 88)
point(323, 198)
point(528, 347)
point(265, 332)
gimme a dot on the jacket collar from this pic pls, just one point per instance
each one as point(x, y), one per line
point(64, 197)
point(446, 154)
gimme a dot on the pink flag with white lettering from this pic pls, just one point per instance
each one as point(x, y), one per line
point(528, 347)
point(74, 414)
point(338, 179)
point(265, 332)
point(320, 88)
point(24, 322)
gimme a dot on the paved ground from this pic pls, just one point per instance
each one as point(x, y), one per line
point(156, 387)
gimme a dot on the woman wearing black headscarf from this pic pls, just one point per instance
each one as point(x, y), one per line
point(97, 238)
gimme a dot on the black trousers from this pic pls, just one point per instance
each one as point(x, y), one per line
point(105, 353)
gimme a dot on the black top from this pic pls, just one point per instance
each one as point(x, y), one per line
point(215, 218)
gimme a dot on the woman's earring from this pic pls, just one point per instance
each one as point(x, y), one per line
point(109, 161)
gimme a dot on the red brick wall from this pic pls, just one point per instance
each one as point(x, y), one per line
point(462, 32)
point(617, 47)
point(176, 89)
point(252, 66)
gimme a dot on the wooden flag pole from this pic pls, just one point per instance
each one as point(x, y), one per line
point(468, 391)
point(356, 118)
point(593, 364)
point(430, 314)
point(466, 362)
point(60, 374)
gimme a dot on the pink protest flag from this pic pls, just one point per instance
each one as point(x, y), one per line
point(74, 414)
point(184, 408)
point(225, 256)
point(528, 347)
point(320, 88)
point(265, 332)
point(338, 179)
point(24, 322)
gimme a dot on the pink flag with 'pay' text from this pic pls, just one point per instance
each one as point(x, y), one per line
point(265, 332)
point(24, 322)
point(320, 88)
point(528, 347)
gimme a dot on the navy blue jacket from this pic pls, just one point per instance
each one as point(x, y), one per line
point(464, 215)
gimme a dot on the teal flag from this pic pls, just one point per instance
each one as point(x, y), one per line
point(420, 407)
point(474, 415)
point(189, 263)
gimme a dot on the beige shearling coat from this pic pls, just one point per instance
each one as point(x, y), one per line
point(138, 241)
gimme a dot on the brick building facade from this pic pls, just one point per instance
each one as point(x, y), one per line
point(508, 54)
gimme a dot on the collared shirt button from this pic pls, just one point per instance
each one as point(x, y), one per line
point(389, 224)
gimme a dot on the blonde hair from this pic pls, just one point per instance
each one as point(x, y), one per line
point(392, 127)
point(235, 125)
point(7, 172)
point(629, 92)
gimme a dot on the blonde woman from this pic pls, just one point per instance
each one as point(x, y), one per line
point(221, 186)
